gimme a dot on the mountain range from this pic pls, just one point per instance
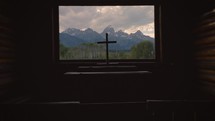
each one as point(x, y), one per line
point(73, 37)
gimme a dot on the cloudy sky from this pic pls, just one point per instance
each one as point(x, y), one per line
point(126, 18)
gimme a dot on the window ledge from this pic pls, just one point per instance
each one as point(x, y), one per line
point(112, 72)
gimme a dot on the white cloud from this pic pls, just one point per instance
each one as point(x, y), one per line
point(126, 18)
point(147, 29)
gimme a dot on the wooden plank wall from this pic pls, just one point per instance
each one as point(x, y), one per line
point(7, 52)
point(205, 51)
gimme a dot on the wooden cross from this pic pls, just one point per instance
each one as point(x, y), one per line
point(107, 49)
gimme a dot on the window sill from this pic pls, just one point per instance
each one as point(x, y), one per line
point(111, 72)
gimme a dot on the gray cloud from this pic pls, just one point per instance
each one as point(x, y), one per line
point(99, 17)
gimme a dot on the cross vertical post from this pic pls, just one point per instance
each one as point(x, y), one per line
point(107, 52)
point(107, 49)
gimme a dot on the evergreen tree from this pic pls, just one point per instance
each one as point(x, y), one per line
point(143, 50)
point(63, 51)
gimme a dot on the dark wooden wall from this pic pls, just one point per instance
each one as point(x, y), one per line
point(204, 41)
point(8, 48)
point(38, 77)
point(181, 88)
